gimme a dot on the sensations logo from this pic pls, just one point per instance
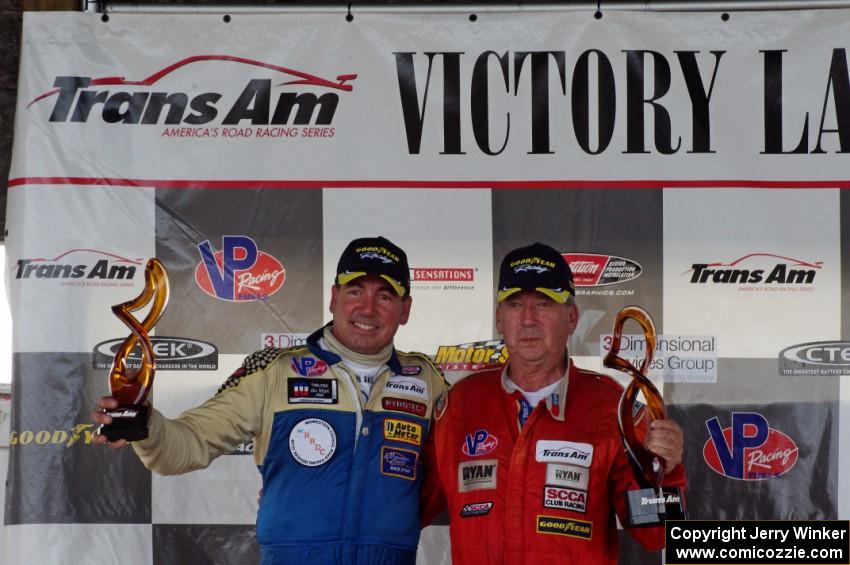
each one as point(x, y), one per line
point(239, 272)
point(749, 450)
point(272, 96)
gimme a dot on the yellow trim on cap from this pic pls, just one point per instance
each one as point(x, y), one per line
point(559, 297)
point(503, 294)
point(345, 278)
point(395, 284)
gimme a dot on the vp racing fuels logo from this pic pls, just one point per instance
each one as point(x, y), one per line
point(749, 450)
point(757, 271)
point(239, 272)
point(81, 267)
point(272, 96)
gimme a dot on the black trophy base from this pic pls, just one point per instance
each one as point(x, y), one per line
point(129, 421)
point(651, 507)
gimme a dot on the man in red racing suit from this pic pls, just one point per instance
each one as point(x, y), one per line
point(527, 458)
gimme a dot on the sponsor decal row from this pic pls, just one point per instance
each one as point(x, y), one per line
point(240, 272)
point(747, 450)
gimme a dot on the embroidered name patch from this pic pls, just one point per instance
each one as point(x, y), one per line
point(312, 442)
point(402, 430)
point(564, 527)
point(477, 475)
point(404, 405)
point(397, 462)
point(564, 498)
point(408, 386)
point(571, 476)
point(475, 509)
point(312, 391)
point(564, 452)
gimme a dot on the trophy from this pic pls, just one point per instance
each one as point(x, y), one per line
point(652, 504)
point(131, 386)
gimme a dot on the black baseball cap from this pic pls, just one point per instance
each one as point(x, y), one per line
point(536, 267)
point(375, 256)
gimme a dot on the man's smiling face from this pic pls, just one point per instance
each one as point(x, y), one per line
point(367, 313)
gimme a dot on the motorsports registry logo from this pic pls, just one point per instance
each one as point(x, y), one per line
point(592, 271)
point(471, 356)
point(757, 272)
point(442, 278)
point(81, 268)
point(172, 354)
point(265, 100)
point(749, 450)
point(819, 358)
point(239, 272)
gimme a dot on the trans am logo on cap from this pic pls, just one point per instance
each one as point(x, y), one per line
point(479, 442)
point(749, 450)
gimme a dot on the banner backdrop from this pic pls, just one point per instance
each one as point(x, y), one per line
point(687, 163)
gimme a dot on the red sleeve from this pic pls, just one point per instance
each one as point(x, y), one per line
point(432, 498)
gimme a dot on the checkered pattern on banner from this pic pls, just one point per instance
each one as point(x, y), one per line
point(732, 271)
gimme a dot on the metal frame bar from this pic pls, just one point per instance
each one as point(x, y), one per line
point(645, 6)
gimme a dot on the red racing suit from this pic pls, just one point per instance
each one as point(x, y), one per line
point(542, 493)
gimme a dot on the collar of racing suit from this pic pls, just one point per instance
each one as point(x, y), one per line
point(337, 351)
point(555, 402)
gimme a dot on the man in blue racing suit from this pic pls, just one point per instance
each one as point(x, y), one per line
point(339, 425)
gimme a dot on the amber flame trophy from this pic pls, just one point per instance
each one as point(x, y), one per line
point(132, 386)
point(652, 504)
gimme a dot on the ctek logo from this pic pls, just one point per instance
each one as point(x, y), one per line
point(591, 269)
point(101, 268)
point(240, 272)
point(825, 358)
point(117, 100)
point(471, 356)
point(757, 271)
point(749, 450)
point(172, 353)
point(434, 274)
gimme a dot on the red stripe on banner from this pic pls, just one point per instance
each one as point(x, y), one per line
point(501, 184)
